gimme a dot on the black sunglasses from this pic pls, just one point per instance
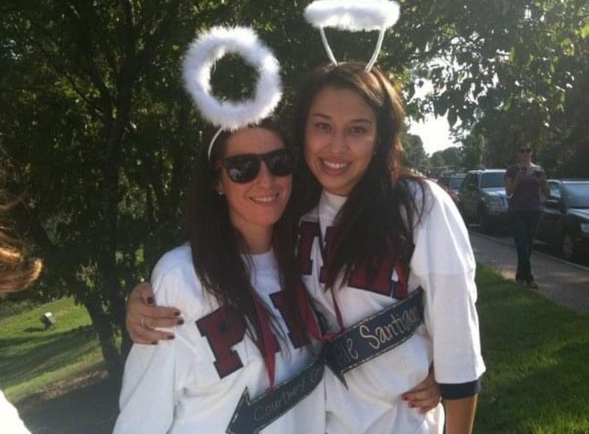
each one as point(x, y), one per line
point(245, 168)
point(524, 150)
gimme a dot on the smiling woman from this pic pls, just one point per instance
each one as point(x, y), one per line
point(379, 247)
point(248, 323)
point(246, 338)
point(340, 139)
point(256, 201)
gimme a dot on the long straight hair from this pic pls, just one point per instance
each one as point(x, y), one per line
point(18, 269)
point(381, 207)
point(217, 247)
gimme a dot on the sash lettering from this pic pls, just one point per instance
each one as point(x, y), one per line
point(252, 416)
point(374, 335)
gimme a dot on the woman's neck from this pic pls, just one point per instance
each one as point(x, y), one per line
point(257, 240)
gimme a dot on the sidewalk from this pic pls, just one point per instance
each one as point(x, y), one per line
point(564, 283)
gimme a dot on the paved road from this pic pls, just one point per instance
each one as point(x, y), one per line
point(563, 282)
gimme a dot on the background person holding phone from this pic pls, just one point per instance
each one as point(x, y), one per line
point(525, 182)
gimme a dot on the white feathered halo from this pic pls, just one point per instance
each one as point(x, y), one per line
point(205, 51)
point(354, 16)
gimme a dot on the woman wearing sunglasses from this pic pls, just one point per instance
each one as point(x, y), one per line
point(524, 183)
point(247, 322)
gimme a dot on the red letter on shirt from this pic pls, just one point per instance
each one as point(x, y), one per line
point(308, 232)
point(223, 328)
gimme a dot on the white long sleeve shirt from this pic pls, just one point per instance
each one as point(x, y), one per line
point(443, 265)
point(194, 383)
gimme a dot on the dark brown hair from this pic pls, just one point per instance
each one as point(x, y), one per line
point(381, 206)
point(17, 269)
point(217, 246)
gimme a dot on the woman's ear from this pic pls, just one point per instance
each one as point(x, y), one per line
point(219, 188)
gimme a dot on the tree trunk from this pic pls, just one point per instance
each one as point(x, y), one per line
point(103, 328)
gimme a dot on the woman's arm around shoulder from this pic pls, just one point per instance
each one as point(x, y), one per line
point(145, 317)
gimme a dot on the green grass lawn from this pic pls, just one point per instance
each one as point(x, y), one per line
point(537, 357)
point(32, 358)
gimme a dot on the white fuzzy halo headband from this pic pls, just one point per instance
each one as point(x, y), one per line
point(207, 49)
point(354, 16)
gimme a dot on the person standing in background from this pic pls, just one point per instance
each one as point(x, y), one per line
point(525, 182)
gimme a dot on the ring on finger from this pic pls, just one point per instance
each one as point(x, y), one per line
point(146, 324)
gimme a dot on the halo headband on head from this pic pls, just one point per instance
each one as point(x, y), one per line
point(354, 16)
point(207, 49)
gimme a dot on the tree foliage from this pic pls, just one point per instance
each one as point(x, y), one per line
point(414, 155)
point(449, 159)
point(92, 89)
point(518, 71)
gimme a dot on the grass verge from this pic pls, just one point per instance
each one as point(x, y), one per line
point(536, 354)
point(32, 358)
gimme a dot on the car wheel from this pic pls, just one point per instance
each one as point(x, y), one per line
point(567, 247)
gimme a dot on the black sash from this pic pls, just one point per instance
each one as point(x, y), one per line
point(374, 335)
point(252, 416)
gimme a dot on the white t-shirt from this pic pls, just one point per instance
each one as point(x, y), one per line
point(193, 384)
point(443, 265)
point(10, 422)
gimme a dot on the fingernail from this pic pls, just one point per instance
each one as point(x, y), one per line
point(180, 322)
point(170, 337)
point(177, 313)
point(150, 300)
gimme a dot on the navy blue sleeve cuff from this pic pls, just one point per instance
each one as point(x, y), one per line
point(462, 390)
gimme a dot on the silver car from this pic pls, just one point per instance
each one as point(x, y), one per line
point(482, 198)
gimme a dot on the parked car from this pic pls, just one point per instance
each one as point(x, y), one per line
point(451, 183)
point(482, 198)
point(565, 217)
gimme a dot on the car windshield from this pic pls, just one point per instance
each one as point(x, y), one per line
point(493, 179)
point(456, 181)
point(578, 194)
